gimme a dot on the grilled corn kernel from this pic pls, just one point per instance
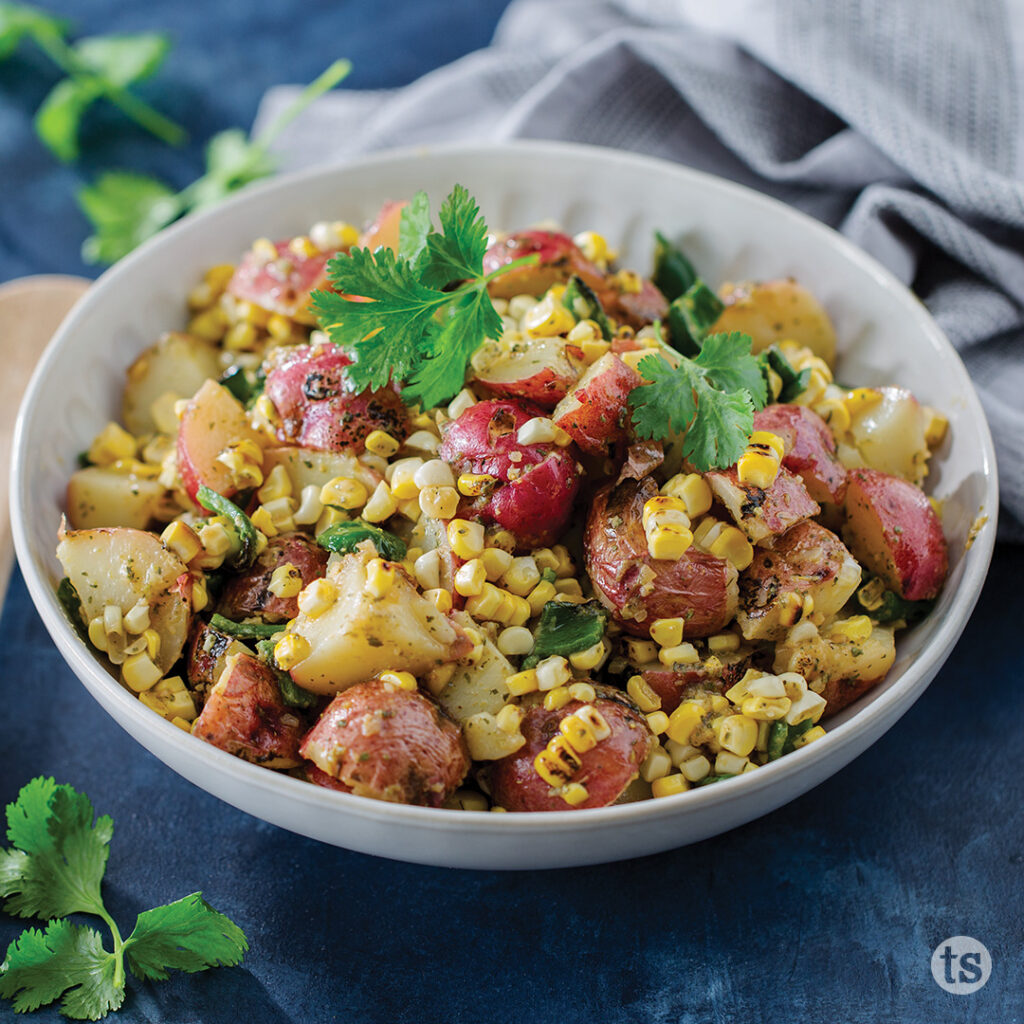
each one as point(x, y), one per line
point(466, 539)
point(496, 562)
point(522, 576)
point(738, 734)
point(264, 522)
point(200, 595)
point(540, 595)
point(667, 632)
point(470, 578)
point(180, 538)
point(593, 245)
point(515, 640)
point(759, 686)
point(860, 399)
point(665, 509)
point(285, 581)
point(728, 763)
point(317, 598)
point(734, 547)
point(435, 473)
point(552, 672)
point(583, 692)
point(669, 542)
point(485, 604)
point(669, 785)
point(136, 619)
point(772, 441)
point(692, 490)
point(381, 443)
point(380, 578)
point(722, 643)
point(276, 484)
point(140, 673)
point(583, 333)
point(809, 737)
point(574, 794)
point(757, 468)
point(657, 765)
point(693, 769)
point(590, 658)
point(439, 502)
point(344, 492)
point(597, 722)
point(113, 442)
point(522, 683)
point(547, 318)
point(508, 719)
point(399, 680)
point(681, 654)
point(381, 505)
point(440, 598)
point(682, 722)
point(856, 629)
point(538, 430)
point(401, 478)
point(643, 696)
point(290, 650)
point(592, 349)
point(472, 485)
point(658, 722)
point(809, 705)
point(835, 413)
point(766, 709)
point(557, 698)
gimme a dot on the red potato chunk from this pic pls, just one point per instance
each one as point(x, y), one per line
point(541, 370)
point(810, 449)
point(207, 655)
point(807, 561)
point(280, 284)
point(318, 406)
point(636, 308)
point(389, 744)
point(892, 528)
point(606, 769)
point(638, 589)
point(763, 513)
point(246, 594)
point(212, 420)
point(383, 232)
point(559, 258)
point(674, 686)
point(595, 413)
point(319, 778)
point(536, 483)
point(246, 715)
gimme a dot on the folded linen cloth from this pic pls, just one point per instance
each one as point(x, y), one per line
point(898, 124)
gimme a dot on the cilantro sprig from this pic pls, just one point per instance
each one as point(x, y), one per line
point(125, 208)
point(96, 67)
point(54, 868)
point(709, 399)
point(416, 316)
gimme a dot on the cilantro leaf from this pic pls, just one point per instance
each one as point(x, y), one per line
point(187, 935)
point(458, 252)
point(20, 21)
point(667, 401)
point(122, 59)
point(59, 856)
point(719, 435)
point(60, 114)
point(729, 365)
point(414, 226)
point(65, 959)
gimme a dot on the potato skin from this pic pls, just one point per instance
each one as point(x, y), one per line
point(763, 513)
point(699, 588)
point(246, 594)
point(318, 405)
point(595, 412)
point(673, 686)
point(559, 258)
point(606, 770)
point(389, 744)
point(810, 449)
point(206, 655)
point(280, 285)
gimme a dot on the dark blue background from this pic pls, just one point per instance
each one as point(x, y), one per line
point(827, 910)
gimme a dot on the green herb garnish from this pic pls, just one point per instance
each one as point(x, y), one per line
point(343, 537)
point(72, 605)
point(428, 308)
point(711, 399)
point(126, 208)
point(893, 607)
point(566, 628)
point(54, 868)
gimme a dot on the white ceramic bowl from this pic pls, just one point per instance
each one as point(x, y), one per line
point(886, 336)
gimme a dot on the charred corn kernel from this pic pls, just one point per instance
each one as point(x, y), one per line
point(574, 794)
point(435, 473)
point(538, 430)
point(290, 650)
point(595, 720)
point(669, 785)
point(835, 413)
point(861, 399)
point(472, 485)
point(738, 734)
point(669, 542)
point(733, 546)
point(514, 641)
point(427, 570)
point(522, 683)
point(584, 333)
point(485, 604)
point(380, 506)
point(466, 539)
point(707, 531)
point(808, 705)
point(98, 634)
point(667, 632)
point(182, 723)
point(757, 467)
point(684, 720)
point(766, 709)
point(657, 765)
point(113, 442)
point(317, 598)
point(692, 490)
point(640, 652)
point(693, 769)
point(722, 643)
point(496, 562)
point(140, 673)
point(439, 502)
point(400, 680)
point(772, 441)
point(592, 349)
point(277, 484)
point(589, 658)
point(509, 718)
point(856, 629)
point(552, 672)
point(540, 595)
point(630, 282)
point(553, 770)
point(381, 443)
point(728, 763)
point(180, 538)
point(809, 737)
point(285, 581)
point(522, 576)
point(440, 598)
point(663, 508)
point(136, 619)
point(657, 721)
point(791, 607)
point(594, 246)
point(200, 595)
point(470, 578)
point(344, 492)
point(680, 654)
point(936, 426)
point(642, 695)
point(557, 698)
point(583, 692)
point(547, 318)
point(380, 578)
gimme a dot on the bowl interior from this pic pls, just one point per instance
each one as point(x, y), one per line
point(886, 336)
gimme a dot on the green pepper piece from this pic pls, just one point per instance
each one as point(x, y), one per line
point(565, 629)
point(792, 382)
point(795, 732)
point(72, 604)
point(673, 272)
point(720, 777)
point(240, 522)
point(777, 739)
point(245, 630)
point(292, 694)
point(345, 536)
point(580, 300)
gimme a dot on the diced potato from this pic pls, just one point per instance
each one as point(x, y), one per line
point(103, 497)
point(305, 466)
point(480, 687)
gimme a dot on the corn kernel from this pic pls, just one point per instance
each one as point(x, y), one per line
point(344, 492)
point(552, 672)
point(767, 709)
point(635, 357)
point(738, 734)
point(486, 603)
point(773, 441)
point(538, 430)
point(667, 632)
point(440, 598)
point(136, 619)
point(439, 502)
point(552, 769)
point(835, 413)
point(496, 562)
point(317, 598)
point(682, 722)
point(642, 695)
point(593, 245)
point(722, 643)
point(285, 581)
point(669, 542)
point(540, 596)
point(728, 763)
point(466, 539)
point(658, 722)
point(757, 468)
point(180, 538)
point(522, 576)
point(681, 654)
point(856, 629)
point(290, 650)
point(380, 578)
point(547, 318)
point(209, 325)
point(381, 505)
point(809, 705)
point(693, 769)
point(472, 485)
point(583, 692)
point(381, 443)
point(574, 794)
point(113, 442)
point(470, 578)
point(657, 765)
point(590, 658)
point(860, 399)
point(522, 683)
point(200, 595)
point(666, 509)
point(557, 698)
point(732, 546)
point(669, 785)
point(435, 473)
point(809, 737)
point(692, 490)
point(140, 673)
point(400, 680)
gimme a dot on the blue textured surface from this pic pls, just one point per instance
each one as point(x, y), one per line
point(827, 910)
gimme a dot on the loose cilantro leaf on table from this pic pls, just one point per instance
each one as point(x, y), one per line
point(710, 399)
point(404, 325)
point(54, 868)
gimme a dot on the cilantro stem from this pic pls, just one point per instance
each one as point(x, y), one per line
point(523, 261)
point(321, 84)
point(118, 946)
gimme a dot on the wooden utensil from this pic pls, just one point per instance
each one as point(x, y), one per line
point(31, 309)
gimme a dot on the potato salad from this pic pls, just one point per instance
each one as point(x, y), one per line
point(482, 521)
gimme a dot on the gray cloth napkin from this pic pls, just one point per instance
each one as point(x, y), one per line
point(896, 122)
